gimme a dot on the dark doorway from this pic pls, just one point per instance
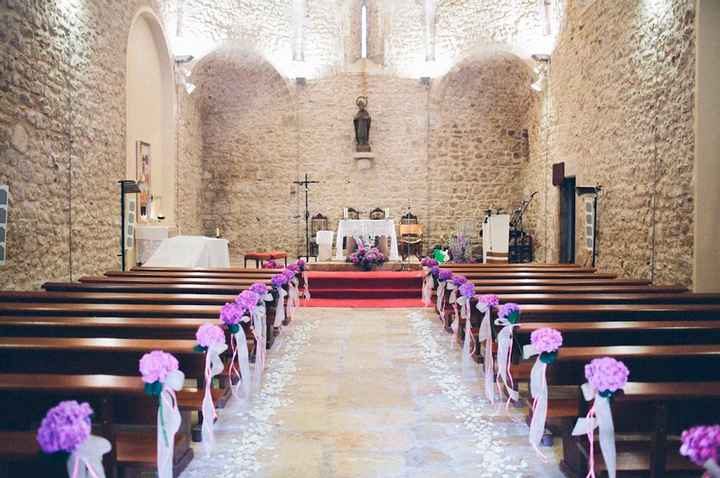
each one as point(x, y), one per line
point(567, 220)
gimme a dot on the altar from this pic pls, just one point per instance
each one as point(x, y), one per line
point(367, 230)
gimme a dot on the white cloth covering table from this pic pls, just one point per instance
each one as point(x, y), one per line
point(367, 230)
point(148, 238)
point(191, 251)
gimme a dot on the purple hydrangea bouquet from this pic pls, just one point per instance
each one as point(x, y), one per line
point(367, 258)
point(701, 444)
point(65, 427)
point(270, 264)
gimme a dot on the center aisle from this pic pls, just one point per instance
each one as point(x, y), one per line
point(370, 393)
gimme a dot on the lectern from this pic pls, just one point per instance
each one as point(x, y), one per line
point(496, 235)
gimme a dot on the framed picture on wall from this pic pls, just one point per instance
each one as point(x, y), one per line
point(143, 162)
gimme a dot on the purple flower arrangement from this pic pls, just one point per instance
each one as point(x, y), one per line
point(300, 263)
point(278, 281)
point(489, 300)
point(510, 312)
point(467, 290)
point(458, 280)
point(208, 335)
point(271, 264)
point(367, 258)
point(445, 275)
point(294, 268)
point(428, 262)
point(606, 375)
point(459, 248)
point(259, 288)
point(231, 315)
point(248, 300)
point(701, 443)
point(154, 368)
point(65, 427)
point(547, 342)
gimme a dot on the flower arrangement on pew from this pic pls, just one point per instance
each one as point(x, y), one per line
point(211, 340)
point(428, 283)
point(259, 328)
point(65, 432)
point(443, 277)
point(544, 343)
point(302, 269)
point(453, 286)
point(367, 258)
point(162, 378)
point(702, 445)
point(508, 317)
point(233, 315)
point(271, 264)
point(605, 376)
point(278, 283)
point(293, 298)
point(485, 305)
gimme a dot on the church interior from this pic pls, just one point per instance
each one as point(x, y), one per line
point(359, 238)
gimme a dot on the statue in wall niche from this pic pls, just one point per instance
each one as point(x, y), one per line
point(362, 125)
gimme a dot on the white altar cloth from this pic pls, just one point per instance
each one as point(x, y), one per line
point(191, 251)
point(148, 238)
point(367, 230)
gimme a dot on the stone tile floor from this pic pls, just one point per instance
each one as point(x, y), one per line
point(370, 393)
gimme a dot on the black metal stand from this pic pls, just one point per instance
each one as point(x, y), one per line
point(306, 183)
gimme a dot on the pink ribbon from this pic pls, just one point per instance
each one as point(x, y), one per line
point(89, 468)
point(590, 434)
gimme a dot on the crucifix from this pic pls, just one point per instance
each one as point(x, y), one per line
point(306, 183)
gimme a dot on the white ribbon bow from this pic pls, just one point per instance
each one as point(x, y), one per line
point(213, 366)
point(440, 302)
point(243, 361)
point(599, 416)
point(505, 340)
point(427, 288)
point(712, 468)
point(86, 460)
point(169, 421)
point(306, 288)
point(485, 334)
point(455, 320)
point(260, 331)
point(539, 392)
point(293, 298)
point(280, 309)
point(469, 346)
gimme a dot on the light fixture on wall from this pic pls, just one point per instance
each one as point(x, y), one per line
point(540, 69)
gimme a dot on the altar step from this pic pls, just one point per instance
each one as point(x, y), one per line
point(351, 293)
point(370, 286)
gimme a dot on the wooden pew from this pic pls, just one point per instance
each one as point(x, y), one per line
point(472, 276)
point(166, 288)
point(228, 270)
point(618, 298)
point(580, 289)
point(190, 275)
point(139, 297)
point(30, 395)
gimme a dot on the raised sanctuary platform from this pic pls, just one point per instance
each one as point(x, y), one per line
point(374, 289)
point(342, 266)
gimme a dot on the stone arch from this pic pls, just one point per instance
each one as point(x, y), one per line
point(250, 149)
point(150, 107)
point(478, 141)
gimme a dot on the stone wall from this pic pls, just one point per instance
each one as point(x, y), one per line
point(189, 165)
point(618, 110)
point(448, 151)
point(62, 142)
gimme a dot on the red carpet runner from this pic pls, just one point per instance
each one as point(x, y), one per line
point(377, 289)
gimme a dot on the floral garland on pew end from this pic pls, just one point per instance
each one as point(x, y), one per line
point(454, 286)
point(485, 305)
point(270, 264)
point(162, 377)
point(278, 291)
point(605, 376)
point(293, 283)
point(428, 265)
point(544, 343)
point(211, 341)
point(65, 433)
point(232, 315)
point(508, 318)
point(443, 277)
point(259, 328)
point(302, 269)
point(702, 445)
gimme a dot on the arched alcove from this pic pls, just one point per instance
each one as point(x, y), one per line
point(150, 110)
point(250, 150)
point(478, 139)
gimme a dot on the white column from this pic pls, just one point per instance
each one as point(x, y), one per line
point(706, 260)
